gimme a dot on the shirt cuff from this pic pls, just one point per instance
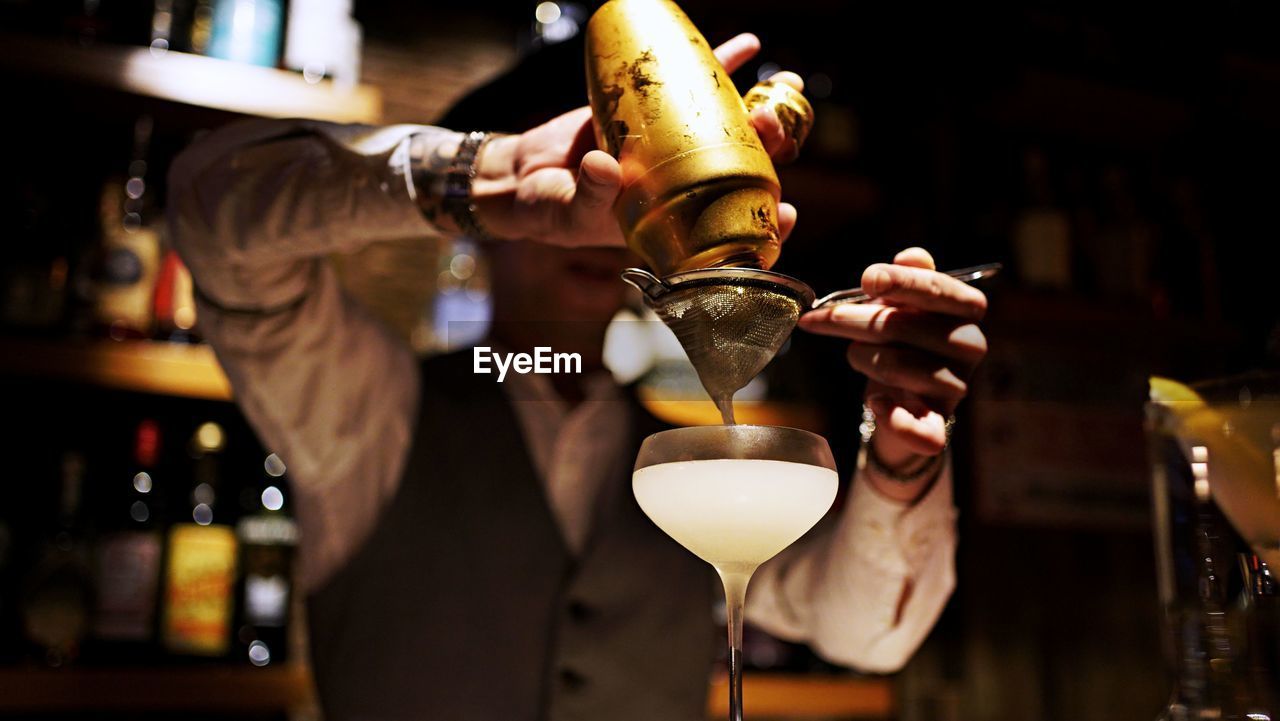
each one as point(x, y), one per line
point(256, 204)
point(895, 536)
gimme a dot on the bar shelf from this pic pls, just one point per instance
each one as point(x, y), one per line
point(158, 367)
point(194, 688)
point(188, 79)
point(216, 688)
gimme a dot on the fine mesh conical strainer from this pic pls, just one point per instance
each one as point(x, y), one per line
point(730, 321)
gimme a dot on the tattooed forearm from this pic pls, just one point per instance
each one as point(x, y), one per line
point(430, 154)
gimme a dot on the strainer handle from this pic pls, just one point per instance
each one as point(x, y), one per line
point(646, 282)
point(858, 295)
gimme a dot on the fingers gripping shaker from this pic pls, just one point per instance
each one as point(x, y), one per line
point(699, 190)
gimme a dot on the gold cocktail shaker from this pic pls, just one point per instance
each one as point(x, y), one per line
point(699, 195)
point(699, 190)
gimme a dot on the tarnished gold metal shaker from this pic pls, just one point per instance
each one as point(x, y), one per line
point(794, 112)
point(699, 190)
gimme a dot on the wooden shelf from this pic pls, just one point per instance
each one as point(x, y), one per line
point(191, 80)
point(797, 697)
point(174, 369)
point(203, 688)
point(215, 688)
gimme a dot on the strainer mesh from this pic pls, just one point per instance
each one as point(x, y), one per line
point(729, 330)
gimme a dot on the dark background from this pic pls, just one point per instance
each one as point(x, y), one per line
point(1145, 116)
point(1148, 114)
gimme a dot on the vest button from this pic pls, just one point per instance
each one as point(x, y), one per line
point(572, 680)
point(579, 611)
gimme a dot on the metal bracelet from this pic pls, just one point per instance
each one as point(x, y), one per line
point(457, 201)
point(867, 429)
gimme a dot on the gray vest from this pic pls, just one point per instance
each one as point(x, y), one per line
point(465, 604)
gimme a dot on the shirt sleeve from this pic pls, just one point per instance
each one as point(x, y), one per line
point(865, 589)
point(254, 210)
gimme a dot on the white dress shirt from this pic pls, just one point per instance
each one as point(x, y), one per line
point(256, 207)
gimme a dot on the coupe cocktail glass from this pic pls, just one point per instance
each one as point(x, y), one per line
point(735, 496)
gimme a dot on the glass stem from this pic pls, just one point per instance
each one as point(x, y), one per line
point(735, 598)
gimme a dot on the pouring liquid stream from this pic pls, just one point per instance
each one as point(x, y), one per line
point(724, 402)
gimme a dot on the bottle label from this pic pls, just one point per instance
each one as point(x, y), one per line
point(174, 304)
point(121, 267)
point(198, 592)
point(247, 31)
point(127, 282)
point(128, 574)
point(268, 530)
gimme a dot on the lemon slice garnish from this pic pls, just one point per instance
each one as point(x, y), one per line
point(1244, 475)
point(1168, 391)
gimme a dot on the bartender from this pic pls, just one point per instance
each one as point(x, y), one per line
point(470, 549)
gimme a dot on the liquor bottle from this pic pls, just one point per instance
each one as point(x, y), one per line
point(175, 305)
point(130, 253)
point(190, 25)
point(247, 31)
point(201, 567)
point(128, 554)
point(1042, 243)
point(268, 536)
point(57, 593)
point(1126, 240)
point(171, 25)
point(33, 279)
point(323, 41)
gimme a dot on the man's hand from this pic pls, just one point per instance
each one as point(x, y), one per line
point(551, 185)
point(917, 342)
